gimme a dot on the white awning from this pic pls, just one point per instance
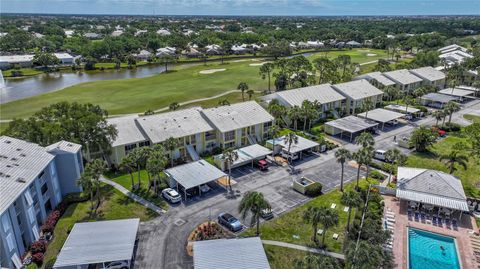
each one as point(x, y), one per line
point(432, 200)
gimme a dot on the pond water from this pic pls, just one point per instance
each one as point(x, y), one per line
point(19, 88)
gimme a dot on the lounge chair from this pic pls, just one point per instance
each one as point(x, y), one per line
point(320, 231)
point(390, 214)
point(422, 217)
point(335, 236)
point(455, 224)
point(410, 215)
point(391, 220)
point(333, 206)
point(440, 222)
point(417, 216)
point(435, 220)
point(345, 209)
point(447, 223)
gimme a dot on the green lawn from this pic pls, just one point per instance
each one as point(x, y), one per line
point(141, 94)
point(25, 71)
point(234, 97)
point(471, 117)
point(3, 126)
point(290, 224)
point(283, 258)
point(114, 205)
point(112, 65)
point(470, 177)
point(126, 181)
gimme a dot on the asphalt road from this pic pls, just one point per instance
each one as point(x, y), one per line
point(162, 241)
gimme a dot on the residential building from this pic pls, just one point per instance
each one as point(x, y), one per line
point(404, 80)
point(356, 93)
point(26, 60)
point(323, 94)
point(377, 79)
point(239, 124)
point(430, 76)
point(454, 54)
point(34, 180)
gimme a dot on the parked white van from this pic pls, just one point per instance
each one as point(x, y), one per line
point(380, 155)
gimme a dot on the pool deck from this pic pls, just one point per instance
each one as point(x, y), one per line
point(462, 235)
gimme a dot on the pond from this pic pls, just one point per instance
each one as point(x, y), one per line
point(19, 88)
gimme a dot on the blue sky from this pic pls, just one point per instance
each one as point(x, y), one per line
point(245, 7)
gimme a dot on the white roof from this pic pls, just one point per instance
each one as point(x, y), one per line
point(402, 76)
point(236, 116)
point(470, 88)
point(176, 124)
point(20, 163)
point(357, 89)
point(249, 153)
point(402, 108)
point(63, 55)
point(381, 115)
point(323, 93)
point(98, 242)
point(428, 73)
point(351, 124)
point(129, 131)
point(457, 92)
point(431, 187)
point(243, 253)
point(438, 97)
point(194, 174)
point(64, 146)
point(378, 77)
point(303, 144)
point(451, 48)
point(16, 58)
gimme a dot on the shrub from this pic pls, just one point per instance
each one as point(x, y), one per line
point(37, 258)
point(377, 175)
point(49, 264)
point(216, 150)
point(39, 246)
point(314, 190)
point(17, 73)
point(452, 127)
point(32, 266)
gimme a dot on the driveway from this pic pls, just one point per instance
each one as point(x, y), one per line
point(162, 241)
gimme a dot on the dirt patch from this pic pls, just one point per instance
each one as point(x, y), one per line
point(211, 71)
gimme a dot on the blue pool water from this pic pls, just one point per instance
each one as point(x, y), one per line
point(431, 251)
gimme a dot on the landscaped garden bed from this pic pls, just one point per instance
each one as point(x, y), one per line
point(206, 231)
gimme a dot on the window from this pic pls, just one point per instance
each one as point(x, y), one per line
point(31, 214)
point(193, 139)
point(5, 223)
point(16, 261)
point(35, 232)
point(28, 197)
point(229, 135)
point(10, 242)
point(229, 145)
point(44, 188)
point(144, 144)
point(130, 147)
point(267, 125)
point(41, 174)
point(210, 136)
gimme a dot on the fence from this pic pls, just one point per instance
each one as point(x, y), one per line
point(385, 190)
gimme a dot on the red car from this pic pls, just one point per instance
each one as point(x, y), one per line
point(262, 164)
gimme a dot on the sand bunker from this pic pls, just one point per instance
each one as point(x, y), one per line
point(371, 54)
point(211, 71)
point(258, 64)
point(238, 61)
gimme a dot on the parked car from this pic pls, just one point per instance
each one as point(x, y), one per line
point(289, 156)
point(266, 214)
point(262, 164)
point(205, 188)
point(229, 221)
point(171, 195)
point(117, 265)
point(380, 155)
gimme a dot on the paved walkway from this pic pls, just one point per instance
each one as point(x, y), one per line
point(304, 248)
point(132, 195)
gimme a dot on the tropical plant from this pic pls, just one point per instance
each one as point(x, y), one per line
point(312, 217)
point(391, 92)
point(86, 183)
point(365, 255)
point(422, 138)
point(449, 108)
point(396, 158)
point(294, 113)
point(312, 261)
point(174, 106)
point(360, 158)
point(438, 115)
point(365, 139)
point(408, 100)
point(229, 156)
point(155, 164)
point(94, 170)
point(351, 199)
point(253, 203)
point(171, 144)
point(242, 86)
point(266, 72)
point(128, 165)
point(250, 93)
point(367, 105)
point(289, 139)
point(273, 132)
point(328, 219)
point(455, 157)
point(342, 156)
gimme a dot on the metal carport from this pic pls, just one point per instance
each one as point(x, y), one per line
point(349, 124)
point(246, 155)
point(381, 115)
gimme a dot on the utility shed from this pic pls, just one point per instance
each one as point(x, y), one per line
point(98, 243)
point(381, 115)
point(436, 100)
point(193, 175)
point(351, 125)
point(244, 253)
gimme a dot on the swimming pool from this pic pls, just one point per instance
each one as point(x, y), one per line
point(428, 250)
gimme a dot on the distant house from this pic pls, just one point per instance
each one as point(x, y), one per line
point(430, 76)
point(340, 45)
point(377, 79)
point(353, 44)
point(357, 92)
point(404, 80)
point(143, 55)
point(166, 51)
point(315, 44)
point(163, 32)
point(213, 49)
point(69, 33)
point(140, 32)
point(26, 60)
point(192, 53)
point(92, 35)
point(239, 49)
point(188, 32)
point(65, 58)
point(454, 54)
point(117, 33)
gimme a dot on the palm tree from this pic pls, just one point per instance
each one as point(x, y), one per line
point(174, 106)
point(452, 158)
point(421, 138)
point(391, 92)
point(266, 71)
point(155, 164)
point(85, 181)
point(254, 203)
point(351, 199)
point(365, 139)
point(305, 110)
point(367, 105)
point(312, 261)
point(438, 115)
point(250, 93)
point(242, 86)
point(289, 139)
point(408, 100)
point(128, 165)
point(171, 144)
point(294, 114)
point(312, 217)
point(395, 157)
point(364, 255)
point(451, 107)
point(223, 102)
point(329, 219)
point(368, 154)
point(94, 170)
point(419, 92)
point(229, 156)
point(342, 156)
point(360, 159)
point(139, 156)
